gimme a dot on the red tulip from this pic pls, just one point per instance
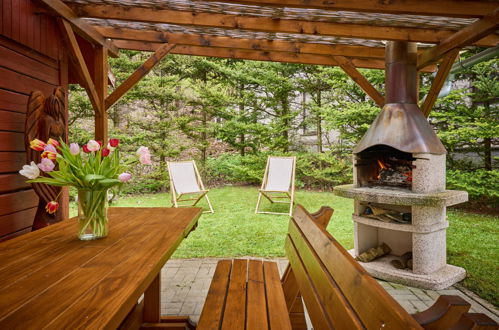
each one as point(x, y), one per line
point(51, 207)
point(85, 149)
point(105, 152)
point(114, 142)
point(99, 142)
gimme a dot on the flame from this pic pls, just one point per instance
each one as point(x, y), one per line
point(382, 165)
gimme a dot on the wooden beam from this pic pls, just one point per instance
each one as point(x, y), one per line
point(242, 43)
point(81, 27)
point(438, 82)
point(359, 78)
point(101, 69)
point(79, 64)
point(256, 55)
point(138, 74)
point(464, 37)
point(268, 24)
point(447, 8)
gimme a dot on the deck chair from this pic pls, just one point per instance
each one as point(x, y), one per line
point(278, 183)
point(186, 184)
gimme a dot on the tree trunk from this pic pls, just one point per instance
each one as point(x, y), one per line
point(319, 122)
point(204, 137)
point(285, 114)
point(487, 146)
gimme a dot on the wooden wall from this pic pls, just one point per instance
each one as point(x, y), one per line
point(31, 58)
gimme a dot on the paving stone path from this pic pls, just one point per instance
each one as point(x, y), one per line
point(185, 283)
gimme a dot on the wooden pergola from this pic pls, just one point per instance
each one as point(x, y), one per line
point(344, 33)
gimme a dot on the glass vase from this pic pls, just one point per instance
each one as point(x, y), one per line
point(92, 214)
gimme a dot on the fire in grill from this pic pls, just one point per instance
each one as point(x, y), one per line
point(392, 172)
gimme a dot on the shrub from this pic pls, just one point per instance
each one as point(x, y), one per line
point(313, 170)
point(482, 185)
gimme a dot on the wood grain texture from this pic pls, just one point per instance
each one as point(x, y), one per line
point(256, 312)
point(235, 306)
point(16, 221)
point(241, 43)
point(15, 201)
point(267, 24)
point(101, 280)
point(211, 315)
point(368, 299)
point(278, 313)
point(25, 65)
point(450, 8)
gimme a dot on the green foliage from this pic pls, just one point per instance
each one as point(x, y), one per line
point(313, 170)
point(482, 185)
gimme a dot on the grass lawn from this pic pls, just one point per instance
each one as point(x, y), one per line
point(235, 230)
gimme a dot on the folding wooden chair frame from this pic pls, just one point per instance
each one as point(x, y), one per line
point(177, 197)
point(272, 196)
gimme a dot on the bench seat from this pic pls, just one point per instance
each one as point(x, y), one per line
point(241, 294)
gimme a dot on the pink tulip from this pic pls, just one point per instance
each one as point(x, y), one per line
point(124, 177)
point(93, 145)
point(46, 165)
point(50, 148)
point(74, 148)
point(145, 159)
point(142, 150)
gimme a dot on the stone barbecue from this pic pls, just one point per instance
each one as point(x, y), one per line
point(399, 185)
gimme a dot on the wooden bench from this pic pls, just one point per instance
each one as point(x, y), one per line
point(338, 293)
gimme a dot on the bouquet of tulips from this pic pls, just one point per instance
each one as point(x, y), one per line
point(92, 169)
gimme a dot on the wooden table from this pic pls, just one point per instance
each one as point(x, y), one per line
point(50, 279)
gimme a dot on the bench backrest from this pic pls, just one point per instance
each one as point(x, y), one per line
point(337, 291)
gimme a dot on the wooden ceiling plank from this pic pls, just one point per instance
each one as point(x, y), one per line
point(438, 82)
point(460, 39)
point(138, 74)
point(81, 27)
point(80, 65)
point(267, 24)
point(242, 43)
point(359, 78)
point(256, 55)
point(447, 8)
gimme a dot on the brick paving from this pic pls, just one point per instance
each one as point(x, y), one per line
point(185, 283)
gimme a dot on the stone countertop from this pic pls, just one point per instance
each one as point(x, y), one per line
point(401, 197)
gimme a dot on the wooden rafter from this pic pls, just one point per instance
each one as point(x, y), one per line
point(438, 82)
point(242, 43)
point(81, 27)
point(101, 70)
point(80, 65)
point(447, 8)
point(267, 24)
point(256, 55)
point(138, 74)
point(462, 38)
point(359, 78)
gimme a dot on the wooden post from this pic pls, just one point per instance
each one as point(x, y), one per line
point(100, 81)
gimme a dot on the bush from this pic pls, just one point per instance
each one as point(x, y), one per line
point(313, 170)
point(482, 185)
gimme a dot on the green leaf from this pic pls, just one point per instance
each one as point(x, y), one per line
point(107, 183)
point(90, 178)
